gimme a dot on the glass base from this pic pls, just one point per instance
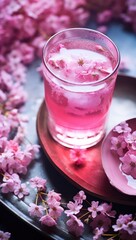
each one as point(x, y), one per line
point(79, 139)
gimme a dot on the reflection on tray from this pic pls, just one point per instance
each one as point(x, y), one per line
point(91, 176)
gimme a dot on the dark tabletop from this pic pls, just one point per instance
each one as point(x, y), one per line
point(126, 42)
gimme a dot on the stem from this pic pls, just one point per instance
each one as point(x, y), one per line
point(84, 215)
point(110, 235)
point(42, 193)
point(88, 202)
point(36, 199)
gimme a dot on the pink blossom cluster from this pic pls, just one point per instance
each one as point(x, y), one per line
point(100, 217)
point(24, 28)
point(105, 11)
point(80, 68)
point(47, 206)
point(129, 16)
point(14, 161)
point(123, 143)
point(97, 216)
point(25, 25)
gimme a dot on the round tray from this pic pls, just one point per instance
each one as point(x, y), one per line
point(91, 176)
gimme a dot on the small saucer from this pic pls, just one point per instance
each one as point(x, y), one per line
point(112, 165)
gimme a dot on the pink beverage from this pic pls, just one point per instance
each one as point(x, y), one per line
point(80, 69)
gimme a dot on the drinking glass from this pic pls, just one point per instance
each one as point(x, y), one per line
point(80, 67)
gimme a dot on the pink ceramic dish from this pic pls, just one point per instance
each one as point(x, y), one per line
point(112, 165)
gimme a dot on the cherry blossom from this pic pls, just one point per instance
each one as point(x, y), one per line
point(124, 144)
point(106, 209)
point(14, 160)
point(130, 227)
point(118, 144)
point(79, 197)
point(94, 209)
point(130, 138)
point(121, 221)
point(4, 126)
point(21, 191)
point(122, 128)
point(55, 211)
point(81, 68)
point(10, 182)
point(38, 20)
point(74, 208)
point(78, 156)
point(38, 183)
point(53, 197)
point(35, 210)
point(129, 163)
point(75, 226)
point(48, 220)
point(98, 232)
point(104, 16)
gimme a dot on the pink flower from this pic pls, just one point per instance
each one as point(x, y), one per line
point(75, 226)
point(104, 17)
point(130, 138)
point(129, 163)
point(53, 198)
point(2, 97)
point(56, 211)
point(121, 221)
point(21, 190)
point(78, 156)
point(130, 227)
point(81, 15)
point(97, 233)
point(38, 43)
point(94, 209)
point(10, 182)
point(27, 53)
point(33, 149)
point(106, 209)
point(122, 128)
point(20, 135)
point(19, 73)
point(48, 220)
point(5, 80)
point(14, 57)
point(5, 158)
point(4, 126)
point(16, 97)
point(38, 183)
point(35, 210)
point(74, 208)
point(29, 29)
point(80, 197)
point(118, 144)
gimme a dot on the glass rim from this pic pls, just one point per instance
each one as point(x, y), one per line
point(83, 83)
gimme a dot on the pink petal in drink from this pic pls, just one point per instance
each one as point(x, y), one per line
point(79, 86)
